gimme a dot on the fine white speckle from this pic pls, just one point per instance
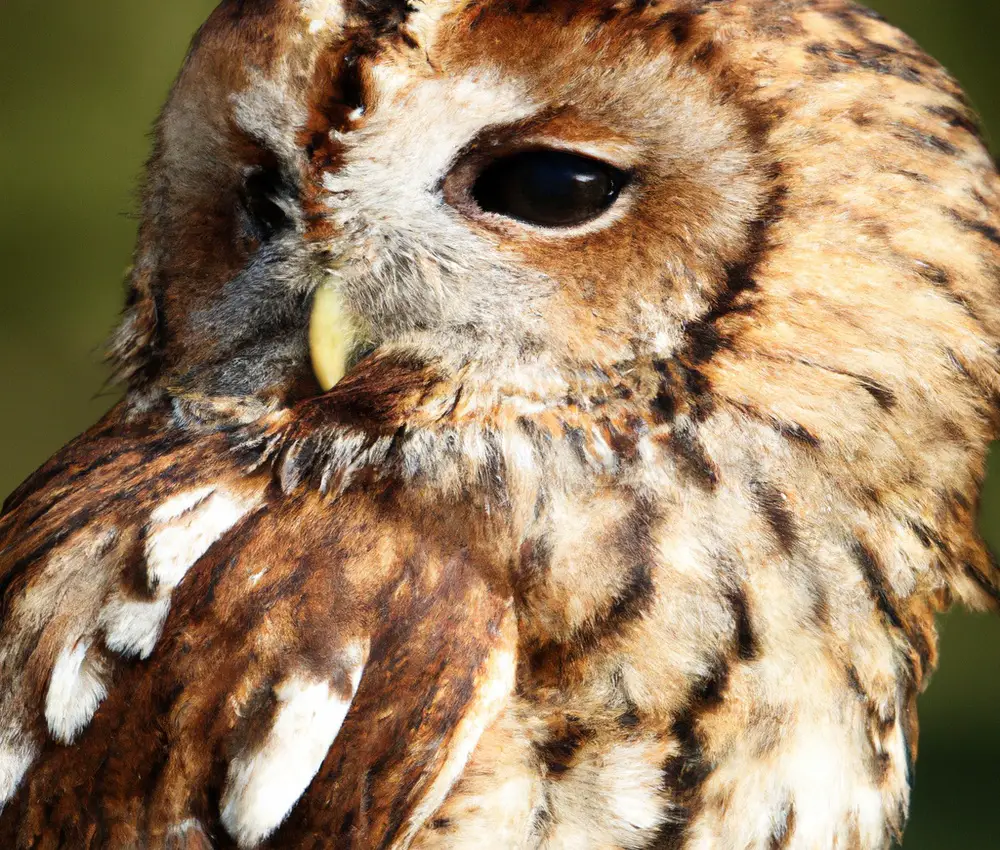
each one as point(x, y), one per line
point(15, 759)
point(76, 689)
point(264, 784)
point(132, 627)
point(323, 14)
point(183, 529)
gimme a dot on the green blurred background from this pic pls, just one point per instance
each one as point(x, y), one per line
point(80, 84)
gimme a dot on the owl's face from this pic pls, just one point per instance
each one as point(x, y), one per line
point(566, 187)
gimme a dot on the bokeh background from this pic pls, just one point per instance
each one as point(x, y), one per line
point(80, 84)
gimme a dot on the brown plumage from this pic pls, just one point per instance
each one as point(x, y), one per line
point(626, 526)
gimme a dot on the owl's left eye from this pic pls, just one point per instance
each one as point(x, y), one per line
point(548, 188)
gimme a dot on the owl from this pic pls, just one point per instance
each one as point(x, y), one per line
point(549, 425)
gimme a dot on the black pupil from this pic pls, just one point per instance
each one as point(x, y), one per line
point(548, 188)
point(260, 189)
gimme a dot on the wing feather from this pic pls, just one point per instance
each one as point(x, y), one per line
point(188, 654)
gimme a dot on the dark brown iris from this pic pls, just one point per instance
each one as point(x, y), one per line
point(548, 188)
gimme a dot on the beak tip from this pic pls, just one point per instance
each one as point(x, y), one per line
point(332, 335)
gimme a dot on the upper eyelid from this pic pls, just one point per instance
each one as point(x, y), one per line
point(616, 156)
point(559, 128)
point(475, 157)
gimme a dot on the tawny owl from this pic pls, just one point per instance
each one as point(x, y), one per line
point(549, 424)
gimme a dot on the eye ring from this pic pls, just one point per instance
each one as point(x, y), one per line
point(547, 188)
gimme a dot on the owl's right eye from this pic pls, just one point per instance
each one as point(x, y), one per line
point(548, 188)
point(264, 200)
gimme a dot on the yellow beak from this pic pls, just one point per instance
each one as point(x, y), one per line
point(332, 336)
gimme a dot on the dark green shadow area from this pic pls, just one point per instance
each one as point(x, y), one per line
point(80, 84)
point(958, 770)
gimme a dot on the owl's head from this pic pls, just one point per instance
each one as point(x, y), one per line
point(560, 183)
